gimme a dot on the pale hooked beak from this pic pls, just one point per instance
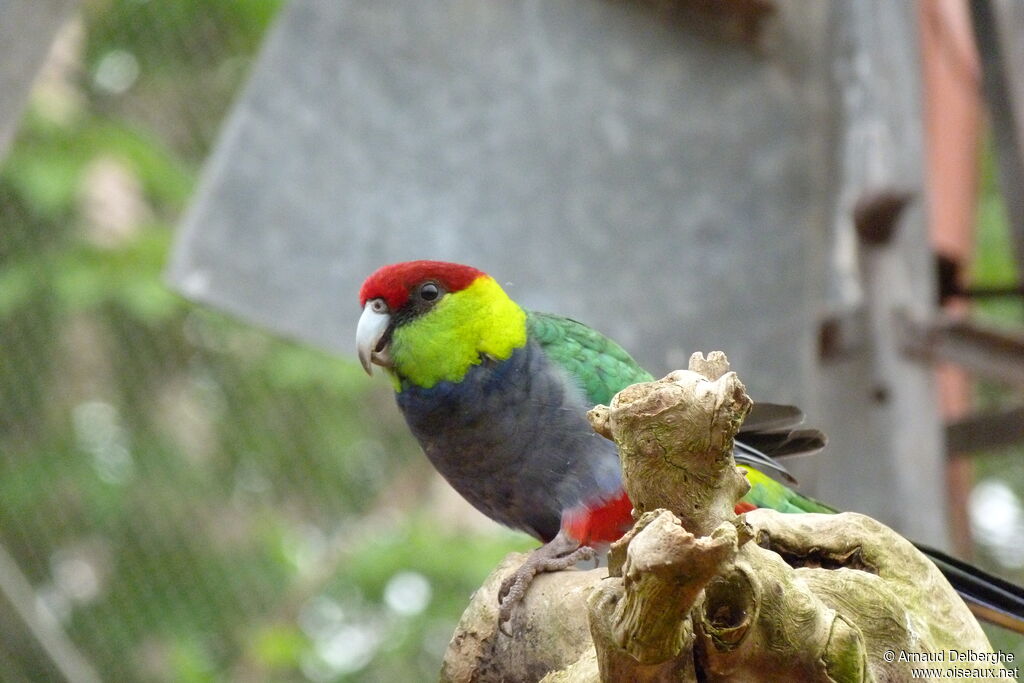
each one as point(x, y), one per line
point(373, 324)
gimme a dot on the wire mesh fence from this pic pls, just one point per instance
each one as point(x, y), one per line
point(183, 497)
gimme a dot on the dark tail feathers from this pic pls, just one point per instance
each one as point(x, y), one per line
point(989, 597)
point(771, 429)
point(769, 433)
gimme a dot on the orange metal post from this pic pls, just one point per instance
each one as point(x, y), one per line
point(952, 86)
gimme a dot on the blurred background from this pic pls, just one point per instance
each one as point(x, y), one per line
point(184, 497)
point(187, 496)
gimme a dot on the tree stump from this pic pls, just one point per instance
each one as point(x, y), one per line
point(695, 592)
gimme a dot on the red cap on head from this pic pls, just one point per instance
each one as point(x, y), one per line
point(394, 282)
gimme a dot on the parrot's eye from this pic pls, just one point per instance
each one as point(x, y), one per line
point(429, 291)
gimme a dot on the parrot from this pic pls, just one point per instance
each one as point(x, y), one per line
point(497, 397)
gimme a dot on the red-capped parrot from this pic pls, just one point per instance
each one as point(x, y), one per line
point(497, 397)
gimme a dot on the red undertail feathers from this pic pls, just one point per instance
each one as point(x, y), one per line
point(603, 523)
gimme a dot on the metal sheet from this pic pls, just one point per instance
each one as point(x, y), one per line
point(27, 28)
point(601, 159)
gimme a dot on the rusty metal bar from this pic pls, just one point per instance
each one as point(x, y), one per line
point(986, 431)
point(983, 350)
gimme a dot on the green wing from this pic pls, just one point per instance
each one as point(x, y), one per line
point(601, 366)
point(765, 492)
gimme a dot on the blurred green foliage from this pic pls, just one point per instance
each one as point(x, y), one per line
point(993, 265)
point(193, 499)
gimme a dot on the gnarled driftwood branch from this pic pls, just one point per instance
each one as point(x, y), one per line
point(695, 592)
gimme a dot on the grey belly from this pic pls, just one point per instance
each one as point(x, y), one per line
point(512, 439)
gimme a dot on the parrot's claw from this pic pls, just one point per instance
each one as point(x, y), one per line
point(560, 553)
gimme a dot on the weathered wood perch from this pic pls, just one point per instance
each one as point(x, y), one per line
point(695, 592)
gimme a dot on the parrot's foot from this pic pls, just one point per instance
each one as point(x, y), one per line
point(559, 553)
